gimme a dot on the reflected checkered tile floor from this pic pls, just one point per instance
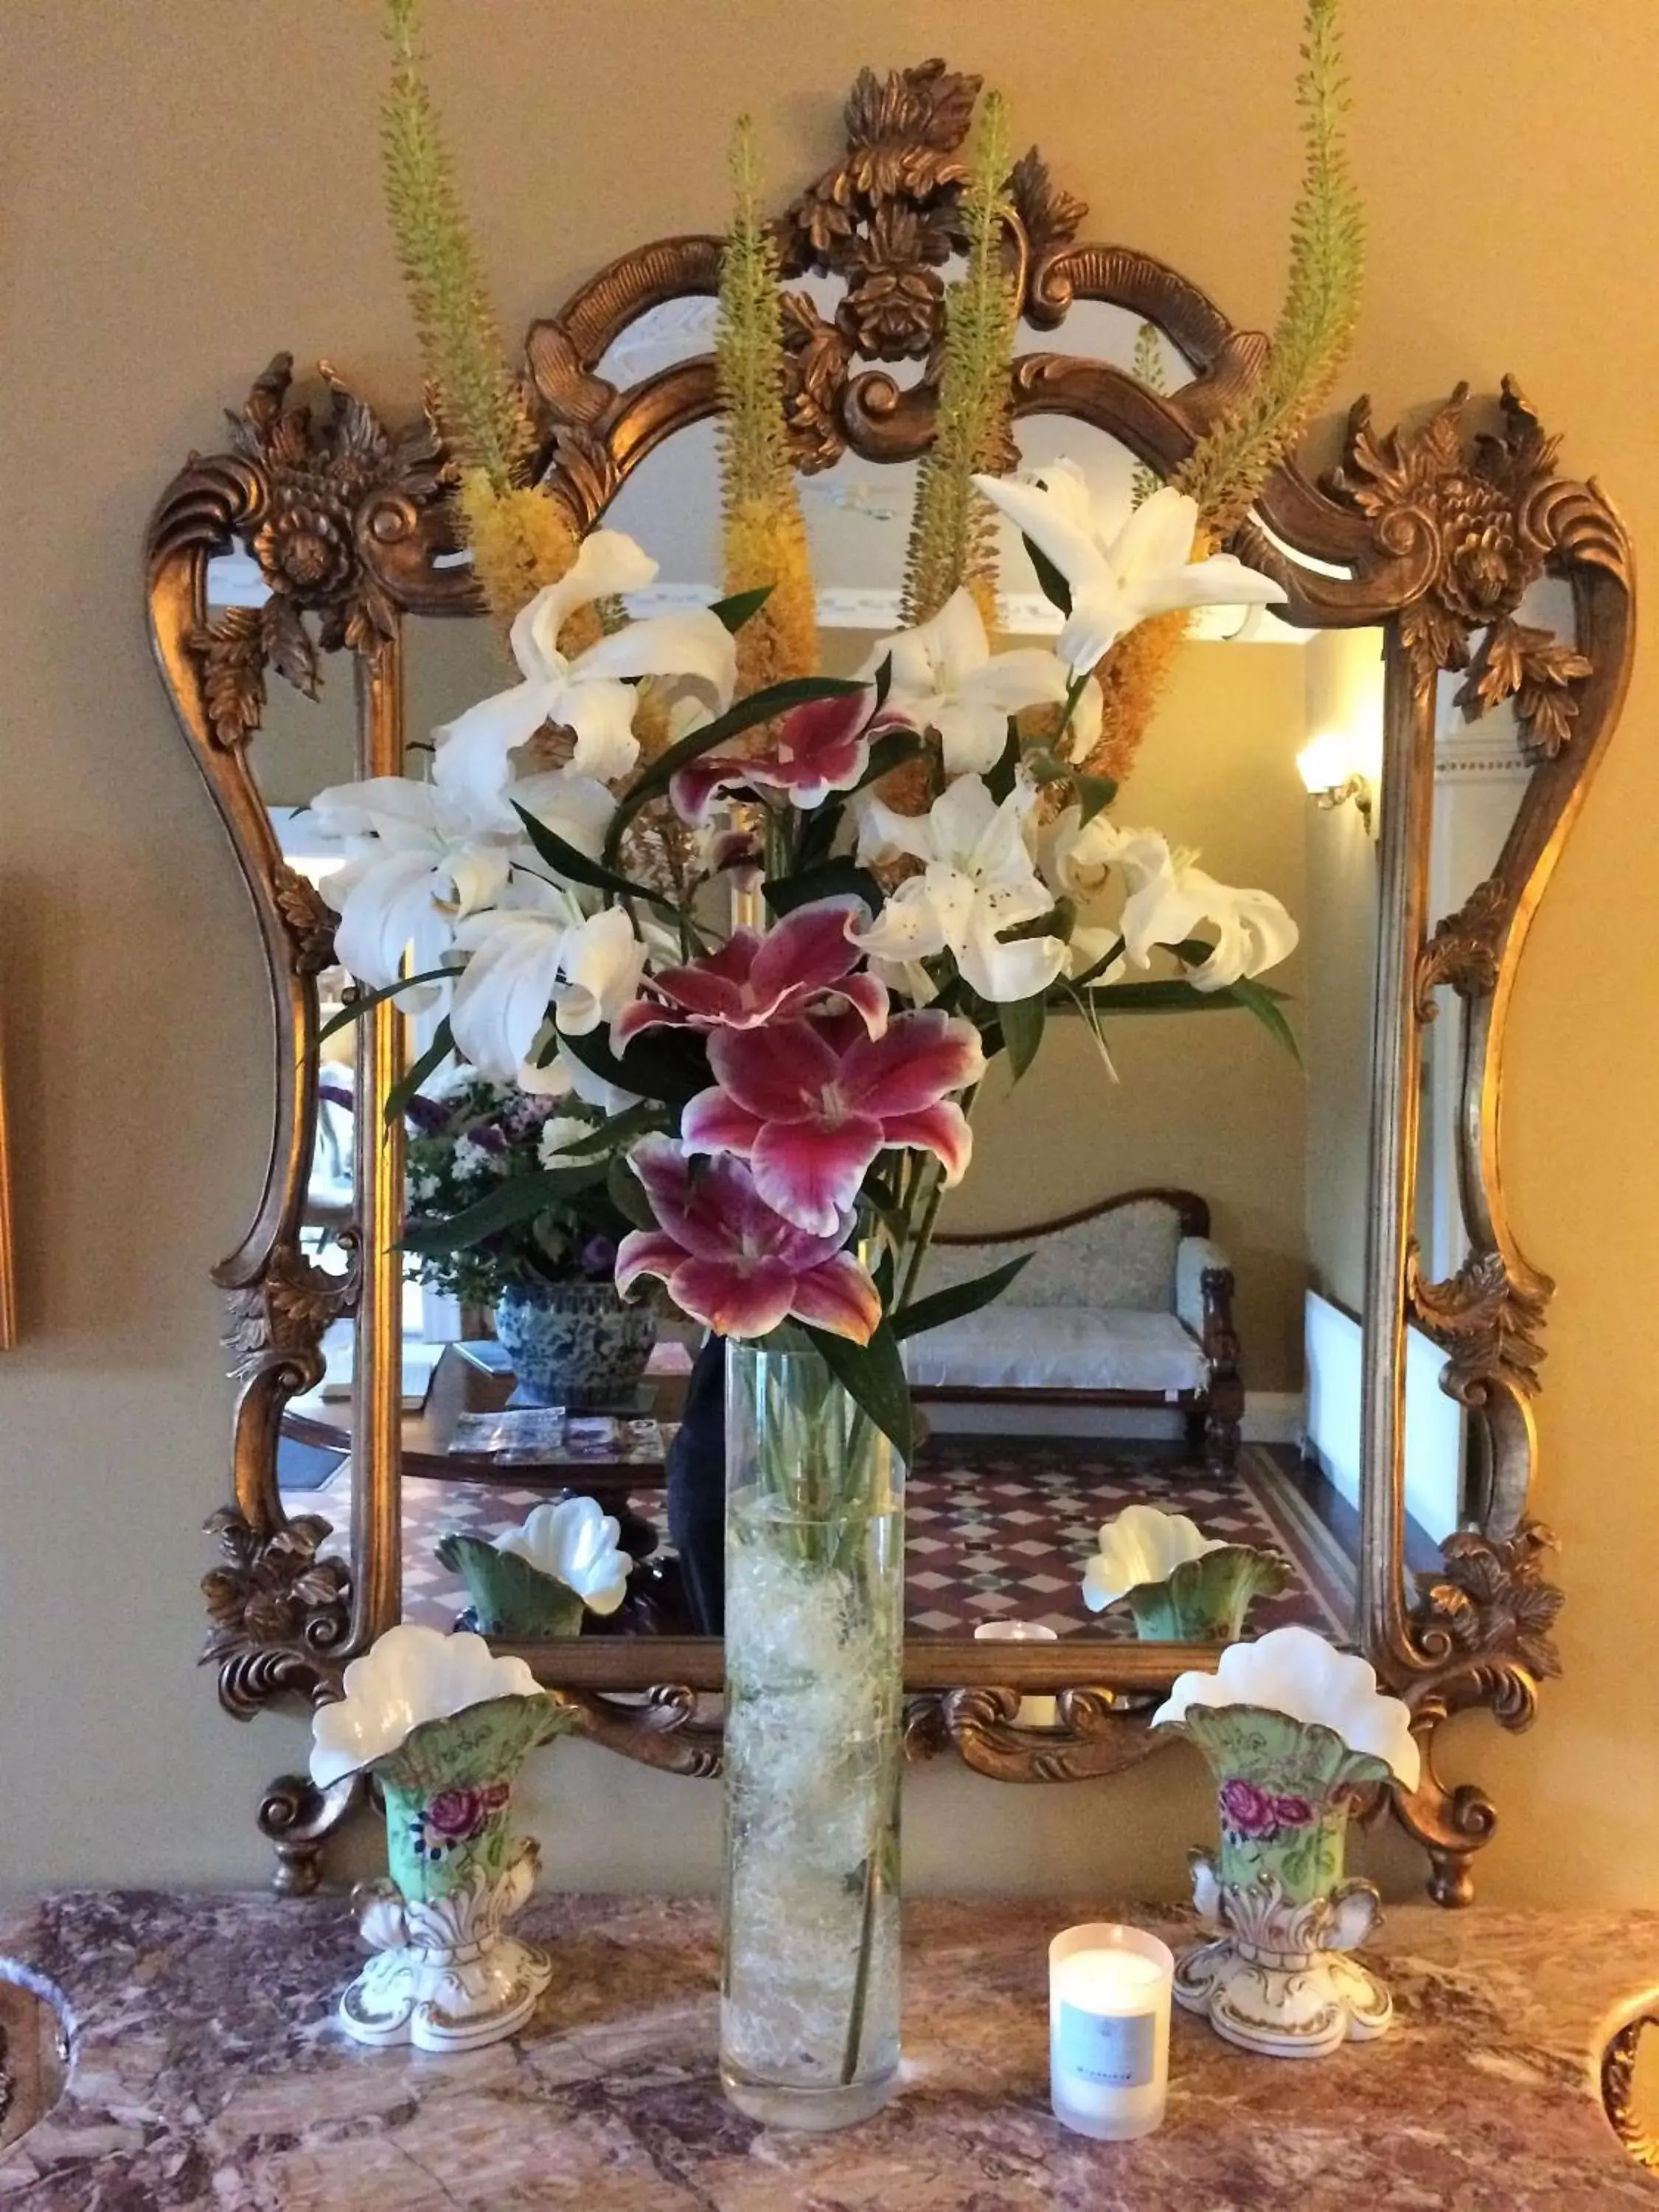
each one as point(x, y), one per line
point(996, 1529)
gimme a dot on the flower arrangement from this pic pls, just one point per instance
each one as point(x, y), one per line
point(773, 928)
point(473, 1149)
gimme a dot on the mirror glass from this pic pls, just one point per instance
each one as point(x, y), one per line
point(1481, 772)
point(1187, 1335)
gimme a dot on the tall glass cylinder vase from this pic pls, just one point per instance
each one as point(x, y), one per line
point(814, 1651)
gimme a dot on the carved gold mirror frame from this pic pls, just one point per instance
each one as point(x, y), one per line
point(1439, 533)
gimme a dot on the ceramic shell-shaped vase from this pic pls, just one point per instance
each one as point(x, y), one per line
point(446, 1975)
point(1207, 1600)
point(1280, 1980)
point(1180, 1586)
point(442, 1725)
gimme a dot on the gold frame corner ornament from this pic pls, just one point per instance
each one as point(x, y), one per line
point(1436, 531)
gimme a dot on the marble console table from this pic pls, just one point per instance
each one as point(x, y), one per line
point(206, 2074)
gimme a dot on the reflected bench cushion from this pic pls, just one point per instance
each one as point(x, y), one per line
point(1008, 1347)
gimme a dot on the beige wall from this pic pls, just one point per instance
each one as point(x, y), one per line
point(1207, 1102)
point(187, 188)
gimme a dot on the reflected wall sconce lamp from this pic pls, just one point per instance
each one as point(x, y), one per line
point(1327, 768)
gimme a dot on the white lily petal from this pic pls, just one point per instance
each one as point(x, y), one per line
point(1087, 716)
point(883, 834)
point(1003, 973)
point(603, 962)
point(472, 762)
point(973, 733)
point(1156, 537)
point(696, 646)
point(908, 929)
point(387, 911)
point(607, 564)
point(501, 998)
point(1030, 675)
point(1051, 523)
point(377, 805)
point(600, 713)
point(578, 808)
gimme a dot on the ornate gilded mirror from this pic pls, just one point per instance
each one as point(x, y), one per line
point(1355, 1338)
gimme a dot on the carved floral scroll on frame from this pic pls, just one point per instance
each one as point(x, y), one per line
point(1439, 533)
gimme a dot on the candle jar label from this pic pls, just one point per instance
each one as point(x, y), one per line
point(1114, 2050)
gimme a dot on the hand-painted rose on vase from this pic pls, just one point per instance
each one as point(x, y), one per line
point(450, 1818)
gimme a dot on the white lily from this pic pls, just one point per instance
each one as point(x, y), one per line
point(1119, 574)
point(977, 878)
point(588, 695)
point(417, 860)
point(503, 995)
point(527, 960)
point(576, 1543)
point(422, 858)
point(945, 677)
point(602, 964)
point(1168, 898)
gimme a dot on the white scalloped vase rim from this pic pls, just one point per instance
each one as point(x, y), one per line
point(408, 1676)
point(1133, 1562)
point(1296, 1672)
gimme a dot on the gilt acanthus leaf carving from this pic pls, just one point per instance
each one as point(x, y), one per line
point(1466, 947)
point(274, 1607)
point(1488, 1321)
point(320, 484)
point(1485, 1620)
point(1487, 507)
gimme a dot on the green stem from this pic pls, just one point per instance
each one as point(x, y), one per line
point(924, 1236)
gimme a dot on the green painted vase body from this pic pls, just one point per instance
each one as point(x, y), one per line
point(1280, 1980)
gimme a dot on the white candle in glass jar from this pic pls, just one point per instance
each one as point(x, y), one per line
point(1108, 2030)
point(1034, 1712)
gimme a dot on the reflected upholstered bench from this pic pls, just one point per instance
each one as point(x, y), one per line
point(1125, 1303)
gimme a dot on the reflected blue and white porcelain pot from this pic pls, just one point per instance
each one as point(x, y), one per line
point(573, 1339)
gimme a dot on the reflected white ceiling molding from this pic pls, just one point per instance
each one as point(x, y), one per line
point(1486, 751)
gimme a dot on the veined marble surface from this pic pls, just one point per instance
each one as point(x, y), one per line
point(207, 2074)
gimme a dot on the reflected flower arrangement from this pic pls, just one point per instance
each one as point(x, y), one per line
point(775, 1108)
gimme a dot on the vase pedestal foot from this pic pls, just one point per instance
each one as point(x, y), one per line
point(777, 2104)
point(1282, 2005)
point(441, 2001)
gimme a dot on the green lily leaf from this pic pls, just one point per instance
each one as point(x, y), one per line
point(575, 867)
point(363, 1001)
point(1095, 793)
point(956, 1300)
point(521, 1200)
point(1023, 1021)
point(739, 607)
point(872, 1376)
point(1051, 585)
point(834, 879)
point(398, 1098)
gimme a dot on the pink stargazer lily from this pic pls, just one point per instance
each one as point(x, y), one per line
point(820, 747)
point(799, 962)
point(731, 1262)
point(810, 1105)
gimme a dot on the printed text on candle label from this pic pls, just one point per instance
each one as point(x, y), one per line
point(1116, 2050)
